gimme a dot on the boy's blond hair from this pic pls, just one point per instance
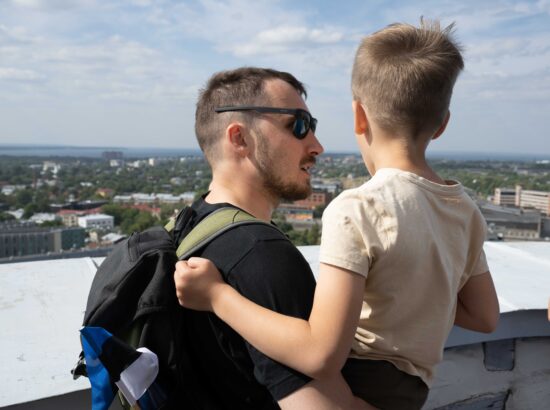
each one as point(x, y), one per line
point(405, 75)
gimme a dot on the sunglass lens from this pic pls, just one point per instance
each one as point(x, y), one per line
point(313, 124)
point(300, 128)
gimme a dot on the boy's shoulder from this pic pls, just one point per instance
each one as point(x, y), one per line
point(383, 182)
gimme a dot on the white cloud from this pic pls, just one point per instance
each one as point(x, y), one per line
point(48, 5)
point(285, 39)
point(15, 74)
point(150, 55)
point(16, 34)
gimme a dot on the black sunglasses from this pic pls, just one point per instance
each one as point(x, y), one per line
point(303, 121)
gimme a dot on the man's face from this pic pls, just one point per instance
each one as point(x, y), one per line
point(284, 161)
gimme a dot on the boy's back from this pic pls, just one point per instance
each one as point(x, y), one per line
point(416, 242)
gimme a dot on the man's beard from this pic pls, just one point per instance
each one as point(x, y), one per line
point(273, 181)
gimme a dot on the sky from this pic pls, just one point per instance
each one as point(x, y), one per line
point(127, 73)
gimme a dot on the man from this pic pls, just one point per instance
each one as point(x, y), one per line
point(258, 136)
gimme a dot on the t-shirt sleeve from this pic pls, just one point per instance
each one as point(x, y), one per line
point(481, 265)
point(479, 231)
point(274, 274)
point(345, 237)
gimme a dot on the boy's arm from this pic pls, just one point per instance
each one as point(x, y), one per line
point(318, 347)
point(477, 306)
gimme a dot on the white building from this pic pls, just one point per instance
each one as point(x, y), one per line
point(97, 221)
point(51, 166)
point(10, 189)
point(533, 199)
point(505, 196)
point(42, 217)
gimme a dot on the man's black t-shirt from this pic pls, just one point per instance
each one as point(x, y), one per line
point(264, 266)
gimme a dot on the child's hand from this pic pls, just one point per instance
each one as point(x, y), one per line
point(197, 281)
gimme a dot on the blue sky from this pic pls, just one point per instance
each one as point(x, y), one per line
point(127, 73)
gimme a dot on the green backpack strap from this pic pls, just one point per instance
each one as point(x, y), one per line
point(212, 226)
point(170, 225)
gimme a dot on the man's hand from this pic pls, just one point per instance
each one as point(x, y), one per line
point(197, 283)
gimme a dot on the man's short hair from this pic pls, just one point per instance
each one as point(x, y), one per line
point(405, 75)
point(242, 86)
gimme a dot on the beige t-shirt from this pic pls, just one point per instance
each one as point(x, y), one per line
point(416, 243)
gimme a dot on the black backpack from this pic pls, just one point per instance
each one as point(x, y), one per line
point(133, 297)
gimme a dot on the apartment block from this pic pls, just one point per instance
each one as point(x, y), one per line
point(505, 197)
point(32, 240)
point(97, 221)
point(533, 199)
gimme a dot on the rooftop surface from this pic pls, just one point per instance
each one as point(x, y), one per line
point(42, 305)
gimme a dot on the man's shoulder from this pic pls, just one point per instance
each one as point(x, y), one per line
point(265, 240)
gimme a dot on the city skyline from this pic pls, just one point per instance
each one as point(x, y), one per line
point(127, 74)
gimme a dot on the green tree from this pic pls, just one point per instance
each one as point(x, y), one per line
point(314, 235)
point(141, 221)
point(4, 216)
point(115, 211)
point(23, 198)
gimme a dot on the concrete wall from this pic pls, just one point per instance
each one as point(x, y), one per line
point(511, 374)
point(78, 400)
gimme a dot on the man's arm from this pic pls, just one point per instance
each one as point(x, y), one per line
point(477, 306)
point(317, 347)
point(327, 394)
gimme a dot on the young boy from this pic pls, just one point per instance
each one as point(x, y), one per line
point(401, 256)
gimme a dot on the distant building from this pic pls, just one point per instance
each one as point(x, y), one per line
point(505, 197)
point(317, 198)
point(140, 198)
point(10, 189)
point(40, 218)
point(153, 162)
point(294, 212)
point(69, 217)
point(545, 228)
point(533, 199)
point(332, 187)
point(136, 164)
point(17, 214)
point(105, 192)
point(154, 211)
point(111, 238)
point(51, 166)
point(509, 223)
point(79, 206)
point(108, 155)
point(177, 181)
point(32, 240)
point(97, 221)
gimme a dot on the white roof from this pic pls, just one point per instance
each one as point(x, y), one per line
point(42, 305)
point(96, 217)
point(521, 272)
point(41, 309)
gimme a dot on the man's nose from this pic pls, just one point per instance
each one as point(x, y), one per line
point(314, 146)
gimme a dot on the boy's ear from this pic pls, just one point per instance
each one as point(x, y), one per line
point(360, 120)
point(441, 129)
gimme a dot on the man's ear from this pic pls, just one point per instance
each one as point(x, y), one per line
point(360, 120)
point(441, 129)
point(235, 134)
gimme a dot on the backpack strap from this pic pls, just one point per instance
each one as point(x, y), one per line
point(215, 224)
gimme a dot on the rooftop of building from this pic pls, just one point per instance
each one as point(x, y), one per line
point(42, 305)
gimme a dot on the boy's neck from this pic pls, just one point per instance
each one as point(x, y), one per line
point(399, 153)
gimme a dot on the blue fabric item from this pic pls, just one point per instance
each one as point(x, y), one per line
point(103, 391)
